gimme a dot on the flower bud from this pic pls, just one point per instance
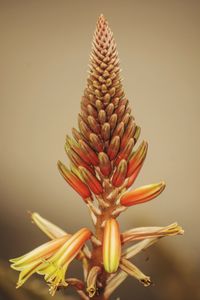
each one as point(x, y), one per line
point(142, 194)
point(104, 164)
point(111, 246)
point(120, 173)
point(80, 187)
point(113, 148)
point(91, 180)
point(137, 158)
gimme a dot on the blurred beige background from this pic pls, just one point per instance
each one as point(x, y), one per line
point(44, 54)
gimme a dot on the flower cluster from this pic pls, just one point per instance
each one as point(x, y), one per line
point(103, 167)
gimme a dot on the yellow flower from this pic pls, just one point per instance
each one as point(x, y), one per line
point(111, 246)
point(29, 263)
point(51, 259)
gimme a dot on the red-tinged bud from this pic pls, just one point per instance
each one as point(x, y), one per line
point(77, 161)
point(93, 183)
point(113, 148)
point(120, 173)
point(91, 155)
point(84, 128)
point(102, 116)
point(94, 125)
point(111, 246)
point(77, 135)
point(129, 132)
point(125, 119)
point(76, 148)
point(137, 133)
point(119, 130)
point(109, 109)
point(133, 177)
point(80, 187)
point(142, 194)
point(98, 105)
point(120, 111)
point(105, 131)
point(106, 98)
point(104, 164)
point(85, 101)
point(116, 102)
point(113, 121)
point(95, 142)
point(123, 102)
point(92, 111)
point(83, 108)
point(125, 153)
point(137, 158)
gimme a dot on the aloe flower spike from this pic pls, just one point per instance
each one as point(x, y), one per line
point(103, 166)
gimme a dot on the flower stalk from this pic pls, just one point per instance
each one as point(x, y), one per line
point(103, 166)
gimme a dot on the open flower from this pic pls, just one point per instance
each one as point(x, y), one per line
point(30, 262)
point(51, 259)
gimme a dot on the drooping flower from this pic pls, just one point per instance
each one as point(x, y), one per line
point(51, 259)
point(30, 262)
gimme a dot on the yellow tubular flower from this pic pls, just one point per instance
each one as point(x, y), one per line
point(55, 267)
point(29, 262)
point(111, 246)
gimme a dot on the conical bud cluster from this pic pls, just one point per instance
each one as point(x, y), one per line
point(107, 130)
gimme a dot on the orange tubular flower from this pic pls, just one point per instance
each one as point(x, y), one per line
point(111, 246)
point(74, 181)
point(142, 194)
